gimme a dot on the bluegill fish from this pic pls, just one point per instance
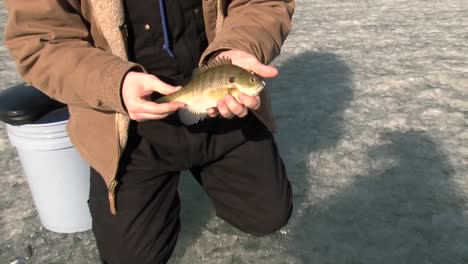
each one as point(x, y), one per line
point(210, 83)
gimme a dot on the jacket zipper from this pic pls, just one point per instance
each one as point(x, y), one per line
point(112, 186)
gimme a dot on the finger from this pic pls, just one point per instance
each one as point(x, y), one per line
point(249, 101)
point(236, 108)
point(264, 70)
point(213, 112)
point(149, 107)
point(249, 62)
point(140, 117)
point(167, 89)
point(224, 110)
point(161, 87)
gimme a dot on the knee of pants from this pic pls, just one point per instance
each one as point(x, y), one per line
point(268, 223)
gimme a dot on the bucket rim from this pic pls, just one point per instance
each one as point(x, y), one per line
point(32, 125)
point(41, 144)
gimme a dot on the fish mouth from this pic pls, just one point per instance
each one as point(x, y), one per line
point(259, 88)
point(253, 91)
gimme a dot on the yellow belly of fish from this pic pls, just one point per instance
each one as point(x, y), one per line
point(201, 103)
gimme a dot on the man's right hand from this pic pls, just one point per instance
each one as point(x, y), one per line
point(136, 90)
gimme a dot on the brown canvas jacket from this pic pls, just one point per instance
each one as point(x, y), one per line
point(74, 52)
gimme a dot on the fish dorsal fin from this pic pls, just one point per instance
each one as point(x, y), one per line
point(211, 64)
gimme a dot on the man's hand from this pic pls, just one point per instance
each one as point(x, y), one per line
point(229, 106)
point(137, 88)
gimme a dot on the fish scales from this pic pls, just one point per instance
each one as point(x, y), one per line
point(209, 84)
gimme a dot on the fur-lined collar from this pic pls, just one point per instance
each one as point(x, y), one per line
point(109, 16)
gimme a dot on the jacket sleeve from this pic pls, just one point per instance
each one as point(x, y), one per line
point(53, 50)
point(258, 27)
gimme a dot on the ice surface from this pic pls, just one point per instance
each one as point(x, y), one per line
point(372, 107)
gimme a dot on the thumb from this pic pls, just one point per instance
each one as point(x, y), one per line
point(161, 87)
point(167, 89)
point(265, 70)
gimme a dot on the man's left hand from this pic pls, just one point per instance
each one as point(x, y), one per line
point(228, 107)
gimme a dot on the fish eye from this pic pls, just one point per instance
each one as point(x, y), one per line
point(252, 79)
point(232, 79)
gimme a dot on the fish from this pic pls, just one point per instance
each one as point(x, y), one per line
point(210, 83)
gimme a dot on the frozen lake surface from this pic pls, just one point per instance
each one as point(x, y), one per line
point(372, 109)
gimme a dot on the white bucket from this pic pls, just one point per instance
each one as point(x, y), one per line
point(58, 178)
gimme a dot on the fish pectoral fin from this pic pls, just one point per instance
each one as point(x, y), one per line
point(190, 117)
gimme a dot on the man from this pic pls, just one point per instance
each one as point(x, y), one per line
point(109, 60)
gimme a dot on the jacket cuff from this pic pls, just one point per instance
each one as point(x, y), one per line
point(113, 95)
point(211, 55)
point(230, 44)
